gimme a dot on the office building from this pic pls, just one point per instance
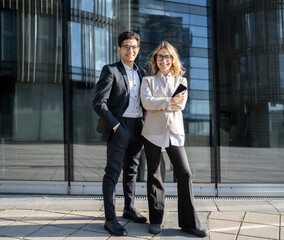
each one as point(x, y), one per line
point(51, 55)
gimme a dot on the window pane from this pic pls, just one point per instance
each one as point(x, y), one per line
point(174, 22)
point(200, 42)
point(199, 62)
point(199, 73)
point(198, 2)
point(199, 85)
point(199, 31)
point(198, 20)
point(251, 94)
point(31, 94)
point(87, 5)
point(92, 46)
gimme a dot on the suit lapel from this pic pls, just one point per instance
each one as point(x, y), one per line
point(124, 75)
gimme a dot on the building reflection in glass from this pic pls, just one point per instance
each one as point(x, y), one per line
point(93, 32)
point(187, 27)
point(31, 93)
point(251, 90)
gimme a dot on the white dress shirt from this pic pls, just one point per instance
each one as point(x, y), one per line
point(134, 109)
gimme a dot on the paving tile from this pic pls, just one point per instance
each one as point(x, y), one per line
point(75, 204)
point(96, 225)
point(19, 229)
point(282, 219)
point(66, 221)
point(156, 237)
point(245, 205)
point(278, 204)
point(24, 203)
point(32, 203)
point(72, 221)
point(171, 228)
point(51, 233)
point(203, 217)
point(124, 238)
point(259, 230)
point(87, 235)
point(253, 238)
point(174, 234)
point(222, 226)
point(122, 220)
point(36, 203)
point(171, 220)
point(205, 205)
point(141, 204)
point(93, 214)
point(119, 204)
point(171, 205)
point(262, 218)
point(9, 238)
point(138, 230)
point(222, 236)
point(15, 214)
point(230, 216)
point(5, 222)
point(282, 233)
point(43, 217)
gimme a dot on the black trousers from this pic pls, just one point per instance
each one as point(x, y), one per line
point(123, 152)
point(187, 216)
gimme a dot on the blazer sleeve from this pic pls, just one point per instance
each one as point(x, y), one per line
point(150, 102)
point(102, 94)
point(181, 106)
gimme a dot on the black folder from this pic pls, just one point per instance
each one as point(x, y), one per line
point(179, 89)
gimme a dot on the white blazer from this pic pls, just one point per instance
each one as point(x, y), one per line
point(155, 97)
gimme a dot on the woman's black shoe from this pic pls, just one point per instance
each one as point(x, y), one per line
point(197, 232)
point(155, 228)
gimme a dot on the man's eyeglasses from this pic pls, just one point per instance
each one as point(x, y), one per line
point(161, 57)
point(128, 47)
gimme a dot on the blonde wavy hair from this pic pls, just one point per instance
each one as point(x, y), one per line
point(176, 68)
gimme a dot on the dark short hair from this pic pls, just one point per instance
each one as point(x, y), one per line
point(128, 35)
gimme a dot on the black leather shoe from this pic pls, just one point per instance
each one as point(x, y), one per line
point(114, 228)
point(133, 215)
point(155, 228)
point(197, 232)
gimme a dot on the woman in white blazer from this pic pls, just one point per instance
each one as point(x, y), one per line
point(163, 128)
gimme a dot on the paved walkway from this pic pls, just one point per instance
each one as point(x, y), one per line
point(30, 218)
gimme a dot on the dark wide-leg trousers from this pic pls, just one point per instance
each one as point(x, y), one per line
point(187, 216)
point(123, 152)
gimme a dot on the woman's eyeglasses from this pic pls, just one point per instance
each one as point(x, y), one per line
point(166, 57)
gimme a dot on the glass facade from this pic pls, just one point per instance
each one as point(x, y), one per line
point(51, 55)
point(185, 24)
point(93, 29)
point(31, 93)
point(251, 93)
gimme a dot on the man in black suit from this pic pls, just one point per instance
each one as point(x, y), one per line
point(117, 102)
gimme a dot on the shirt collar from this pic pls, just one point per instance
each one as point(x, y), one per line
point(127, 68)
point(162, 75)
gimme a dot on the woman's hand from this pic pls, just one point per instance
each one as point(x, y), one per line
point(178, 99)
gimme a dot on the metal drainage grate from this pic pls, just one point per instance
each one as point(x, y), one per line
point(99, 197)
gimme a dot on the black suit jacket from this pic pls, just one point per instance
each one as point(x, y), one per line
point(112, 95)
